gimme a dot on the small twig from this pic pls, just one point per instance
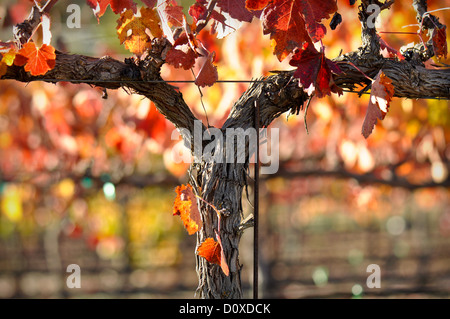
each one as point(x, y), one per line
point(306, 111)
point(398, 32)
point(386, 5)
point(48, 6)
point(352, 64)
point(201, 100)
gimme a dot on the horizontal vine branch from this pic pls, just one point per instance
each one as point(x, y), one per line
point(276, 94)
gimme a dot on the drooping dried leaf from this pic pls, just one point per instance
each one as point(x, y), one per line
point(212, 251)
point(314, 71)
point(186, 207)
point(440, 42)
point(380, 97)
point(223, 260)
point(290, 23)
point(208, 73)
point(36, 61)
point(138, 41)
point(117, 6)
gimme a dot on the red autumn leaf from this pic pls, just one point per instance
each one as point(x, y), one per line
point(208, 73)
point(314, 71)
point(292, 22)
point(36, 61)
point(380, 96)
point(183, 53)
point(440, 42)
point(212, 251)
point(117, 6)
point(198, 10)
point(185, 206)
point(236, 9)
point(174, 13)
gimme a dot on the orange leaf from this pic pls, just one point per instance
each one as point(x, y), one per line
point(36, 61)
point(186, 206)
point(212, 251)
point(380, 97)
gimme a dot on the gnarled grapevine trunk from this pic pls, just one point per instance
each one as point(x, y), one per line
point(222, 183)
point(223, 186)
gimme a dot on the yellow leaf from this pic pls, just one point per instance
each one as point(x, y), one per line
point(8, 57)
point(7, 60)
point(132, 29)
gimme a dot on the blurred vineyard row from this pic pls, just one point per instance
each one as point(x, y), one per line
point(130, 245)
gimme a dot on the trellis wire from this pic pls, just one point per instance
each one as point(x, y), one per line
point(193, 81)
point(256, 208)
